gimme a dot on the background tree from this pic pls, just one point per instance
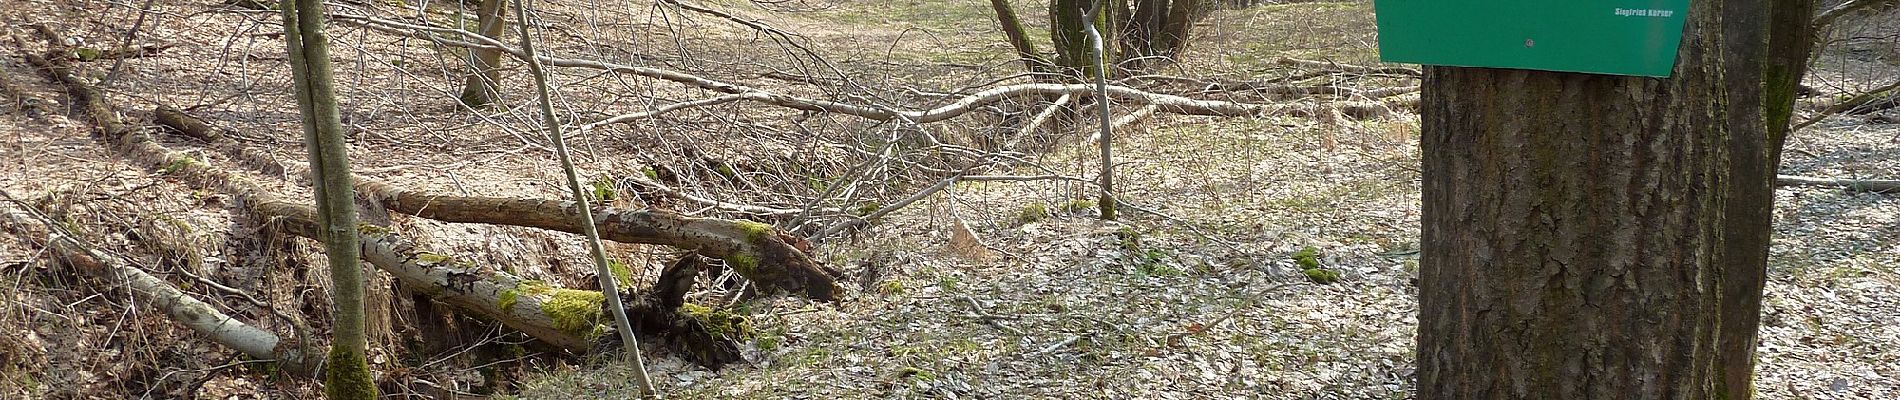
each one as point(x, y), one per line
point(1575, 225)
point(1147, 32)
point(480, 88)
point(346, 375)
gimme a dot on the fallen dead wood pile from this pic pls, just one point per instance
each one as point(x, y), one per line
point(564, 318)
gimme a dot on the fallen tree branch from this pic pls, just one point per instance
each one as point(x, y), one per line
point(755, 249)
point(1347, 68)
point(1852, 185)
point(34, 227)
point(1864, 102)
point(1828, 16)
point(1165, 102)
point(564, 318)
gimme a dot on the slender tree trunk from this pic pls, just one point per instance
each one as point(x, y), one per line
point(1018, 38)
point(601, 268)
point(346, 375)
point(481, 88)
point(1592, 236)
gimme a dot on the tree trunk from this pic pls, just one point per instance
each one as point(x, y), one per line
point(480, 89)
point(346, 374)
point(1018, 38)
point(1068, 20)
point(602, 269)
point(1582, 234)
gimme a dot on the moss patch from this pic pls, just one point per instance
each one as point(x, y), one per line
point(347, 376)
point(721, 322)
point(508, 299)
point(1306, 258)
point(576, 312)
point(425, 258)
point(754, 231)
point(745, 263)
point(1321, 276)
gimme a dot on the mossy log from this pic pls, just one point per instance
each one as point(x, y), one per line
point(564, 318)
point(754, 250)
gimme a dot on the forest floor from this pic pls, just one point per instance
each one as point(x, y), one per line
point(1199, 298)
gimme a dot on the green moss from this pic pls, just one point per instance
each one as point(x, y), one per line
point(1321, 276)
point(652, 174)
point(576, 312)
point(347, 376)
point(1032, 213)
point(508, 299)
point(745, 263)
point(178, 164)
point(534, 287)
point(427, 258)
point(1306, 258)
point(755, 231)
point(719, 322)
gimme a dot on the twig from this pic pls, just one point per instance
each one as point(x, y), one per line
point(1849, 7)
point(1852, 185)
point(1058, 345)
point(1883, 92)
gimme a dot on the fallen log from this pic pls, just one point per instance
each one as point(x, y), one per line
point(565, 318)
point(1852, 185)
point(154, 292)
point(754, 250)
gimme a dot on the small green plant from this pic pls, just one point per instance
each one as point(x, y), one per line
point(894, 286)
point(1128, 239)
point(948, 283)
point(1154, 262)
point(178, 164)
point(1079, 205)
point(1032, 213)
point(604, 188)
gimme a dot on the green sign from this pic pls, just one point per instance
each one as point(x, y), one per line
point(1620, 37)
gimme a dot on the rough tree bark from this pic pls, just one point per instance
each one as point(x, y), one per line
point(481, 87)
point(1590, 236)
point(346, 373)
